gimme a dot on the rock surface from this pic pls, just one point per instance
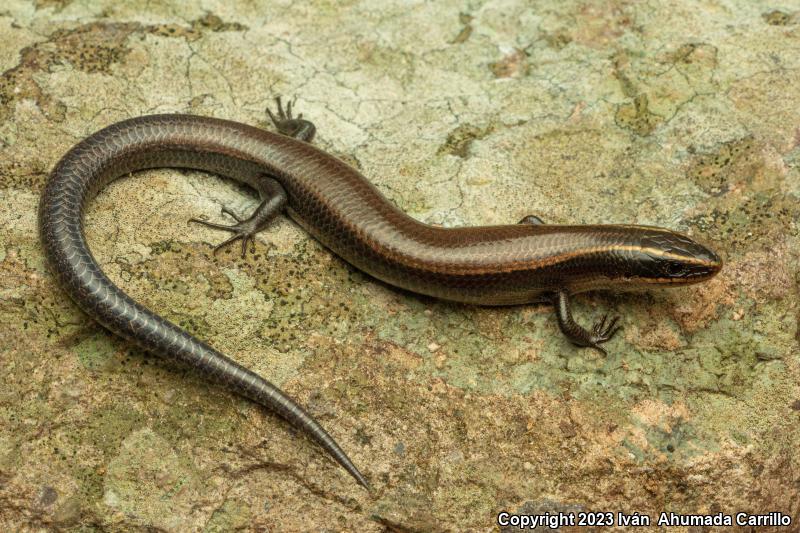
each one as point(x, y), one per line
point(674, 114)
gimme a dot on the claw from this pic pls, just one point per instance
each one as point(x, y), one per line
point(239, 232)
point(598, 327)
point(611, 330)
point(226, 242)
point(211, 224)
point(604, 330)
point(245, 240)
point(272, 117)
point(281, 113)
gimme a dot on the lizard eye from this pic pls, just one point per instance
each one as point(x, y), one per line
point(674, 269)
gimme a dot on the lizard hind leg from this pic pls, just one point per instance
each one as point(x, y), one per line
point(273, 201)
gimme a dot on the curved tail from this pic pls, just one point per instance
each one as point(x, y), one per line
point(85, 169)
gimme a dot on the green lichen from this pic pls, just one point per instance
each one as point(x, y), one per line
point(637, 117)
point(231, 515)
point(679, 116)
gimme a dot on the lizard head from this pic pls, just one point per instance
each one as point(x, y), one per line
point(664, 257)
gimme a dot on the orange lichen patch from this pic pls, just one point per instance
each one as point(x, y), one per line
point(661, 336)
point(648, 418)
point(512, 65)
point(599, 23)
point(704, 303)
point(658, 414)
point(764, 274)
point(695, 54)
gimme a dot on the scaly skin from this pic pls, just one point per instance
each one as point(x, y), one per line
point(488, 265)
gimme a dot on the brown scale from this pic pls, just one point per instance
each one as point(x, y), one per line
point(488, 265)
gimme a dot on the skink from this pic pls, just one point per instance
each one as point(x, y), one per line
point(487, 265)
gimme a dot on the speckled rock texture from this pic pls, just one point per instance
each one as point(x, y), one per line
point(680, 114)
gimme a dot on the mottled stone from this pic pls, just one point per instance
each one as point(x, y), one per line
point(678, 114)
